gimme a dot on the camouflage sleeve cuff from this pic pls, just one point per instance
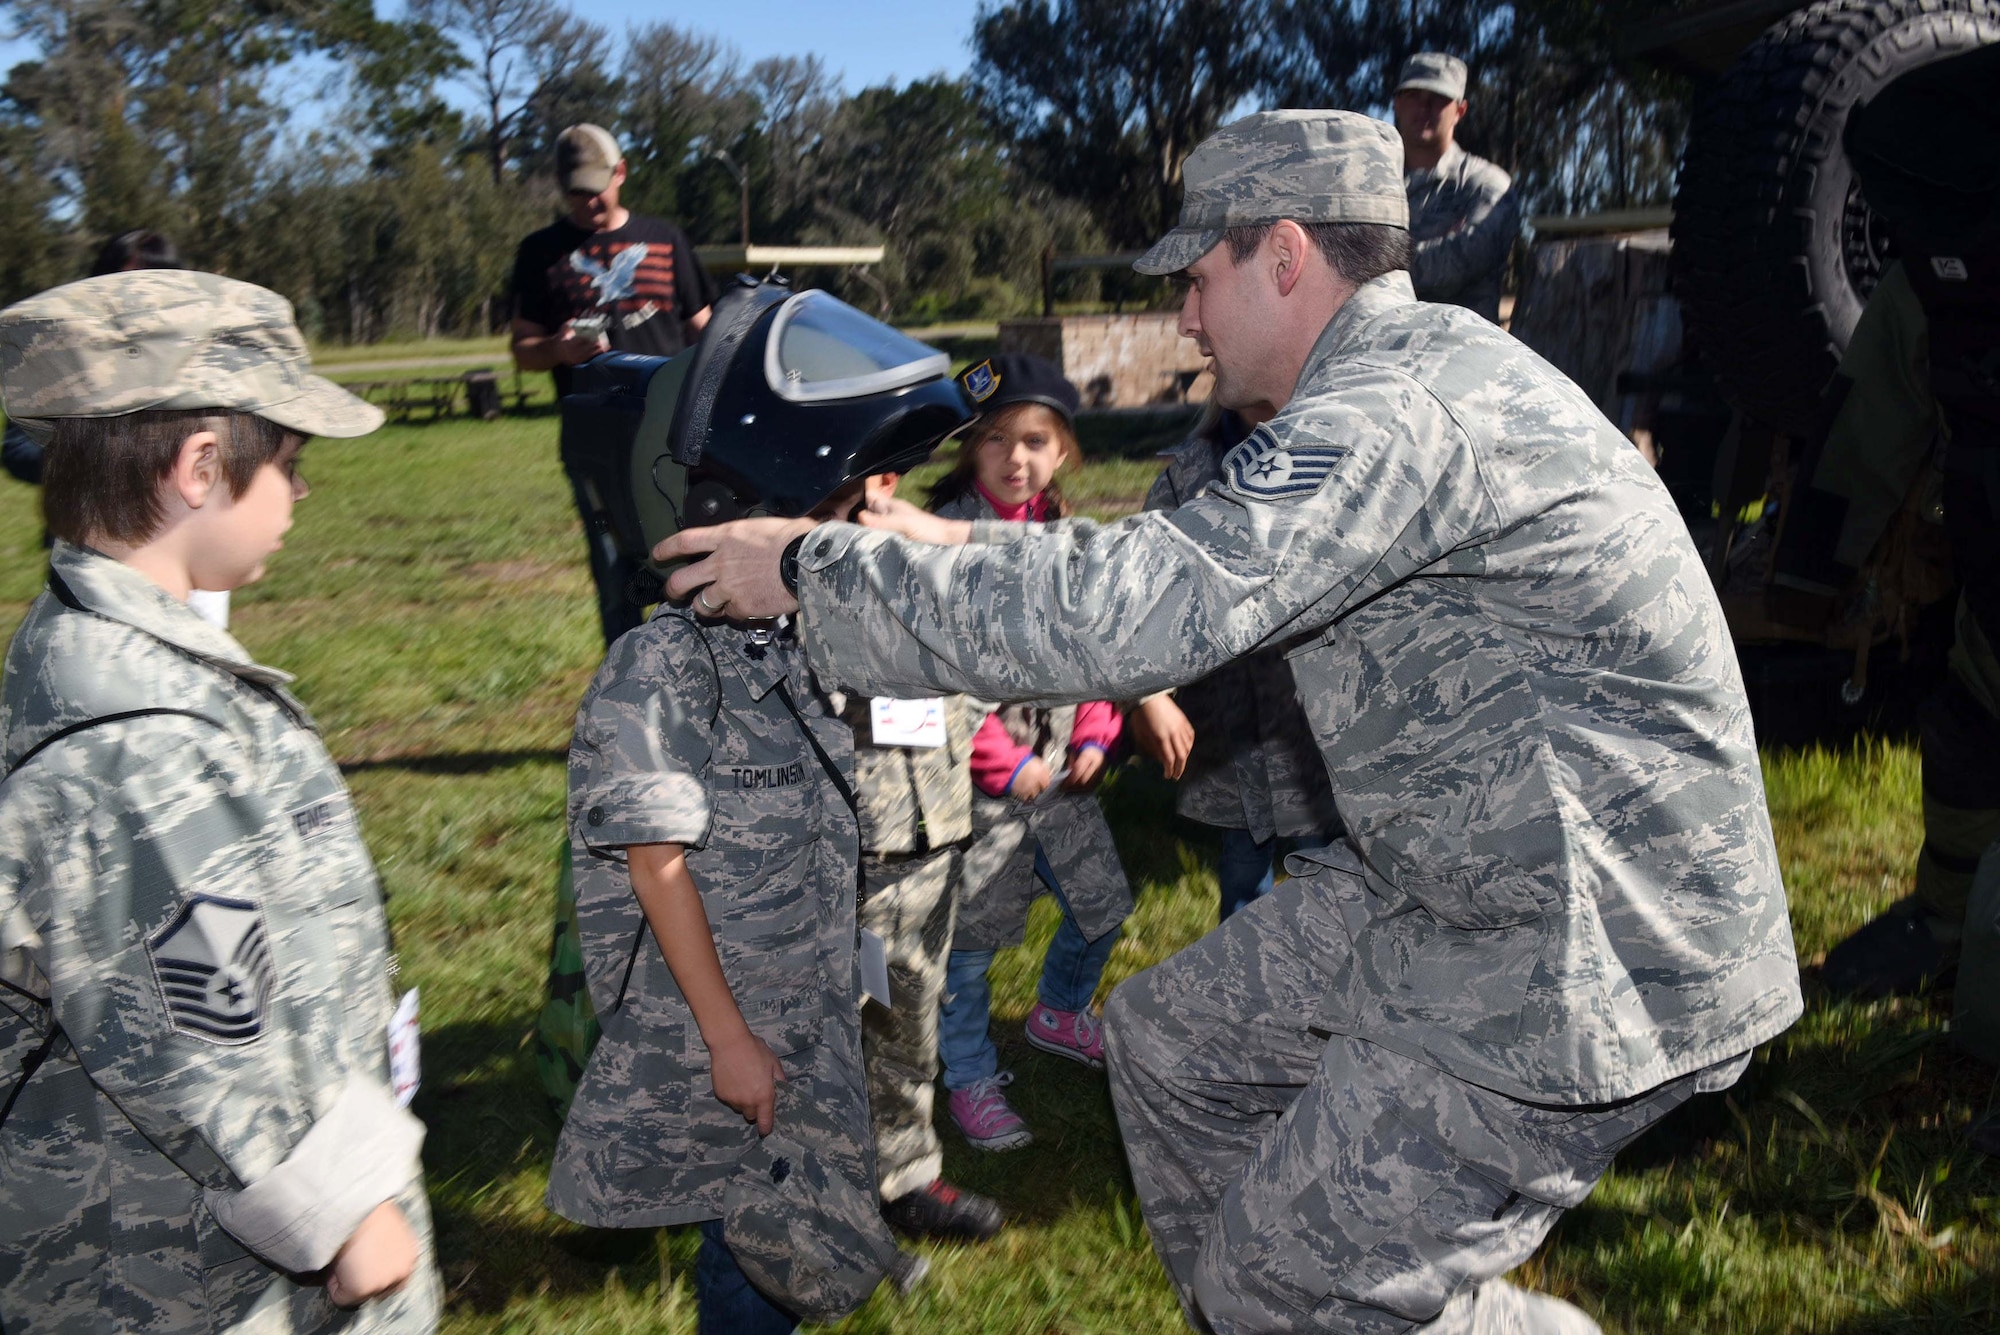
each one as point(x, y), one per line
point(663, 807)
point(298, 1215)
point(1001, 530)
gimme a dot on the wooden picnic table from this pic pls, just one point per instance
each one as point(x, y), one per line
point(439, 397)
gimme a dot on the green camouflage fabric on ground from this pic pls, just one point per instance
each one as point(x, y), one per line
point(916, 817)
point(1255, 765)
point(684, 737)
point(566, 1031)
point(192, 897)
point(1464, 221)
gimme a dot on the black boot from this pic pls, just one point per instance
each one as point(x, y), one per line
point(941, 1211)
point(1897, 954)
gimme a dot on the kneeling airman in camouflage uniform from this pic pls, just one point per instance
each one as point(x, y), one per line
point(197, 1126)
point(1557, 914)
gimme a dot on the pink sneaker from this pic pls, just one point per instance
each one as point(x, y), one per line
point(984, 1118)
point(1077, 1035)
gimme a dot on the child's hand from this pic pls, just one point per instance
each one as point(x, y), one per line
point(1086, 767)
point(1162, 731)
point(378, 1259)
point(746, 1074)
point(910, 521)
point(1030, 781)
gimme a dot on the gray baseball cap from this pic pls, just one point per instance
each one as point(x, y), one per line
point(586, 157)
point(166, 338)
point(1434, 72)
point(1309, 166)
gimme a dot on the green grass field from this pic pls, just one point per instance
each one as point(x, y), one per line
point(434, 602)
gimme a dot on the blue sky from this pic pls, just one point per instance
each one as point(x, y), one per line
point(867, 41)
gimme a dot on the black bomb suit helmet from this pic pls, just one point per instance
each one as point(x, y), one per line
point(788, 397)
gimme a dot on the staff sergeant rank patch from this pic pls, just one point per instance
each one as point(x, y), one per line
point(213, 964)
point(1260, 467)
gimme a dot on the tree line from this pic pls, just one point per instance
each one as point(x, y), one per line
point(396, 210)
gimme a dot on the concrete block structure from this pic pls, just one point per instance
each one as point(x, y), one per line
point(1117, 361)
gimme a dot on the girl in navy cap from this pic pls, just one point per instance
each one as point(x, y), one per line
point(1038, 826)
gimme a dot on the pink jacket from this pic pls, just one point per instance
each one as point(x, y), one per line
point(997, 757)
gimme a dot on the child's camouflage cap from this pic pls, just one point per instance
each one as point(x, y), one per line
point(1309, 166)
point(166, 338)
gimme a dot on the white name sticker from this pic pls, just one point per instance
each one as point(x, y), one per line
point(874, 967)
point(908, 722)
point(405, 1065)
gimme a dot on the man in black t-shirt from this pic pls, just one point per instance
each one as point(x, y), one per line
point(604, 278)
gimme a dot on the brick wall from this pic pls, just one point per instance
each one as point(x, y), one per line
point(1117, 361)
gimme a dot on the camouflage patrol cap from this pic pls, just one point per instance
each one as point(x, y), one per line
point(1434, 72)
point(1309, 166)
point(808, 1238)
point(166, 338)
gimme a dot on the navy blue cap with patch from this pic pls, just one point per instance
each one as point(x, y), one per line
point(1018, 377)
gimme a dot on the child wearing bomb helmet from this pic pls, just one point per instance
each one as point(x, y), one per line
point(714, 852)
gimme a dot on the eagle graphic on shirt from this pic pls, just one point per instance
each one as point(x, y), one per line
point(613, 282)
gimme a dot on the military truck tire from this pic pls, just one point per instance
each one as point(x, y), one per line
point(1775, 252)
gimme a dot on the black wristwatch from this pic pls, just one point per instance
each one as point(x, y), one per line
point(788, 564)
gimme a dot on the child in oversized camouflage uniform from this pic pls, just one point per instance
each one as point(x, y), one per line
point(713, 852)
point(197, 1122)
point(1038, 822)
point(914, 781)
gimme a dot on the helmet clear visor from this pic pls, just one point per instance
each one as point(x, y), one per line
point(821, 348)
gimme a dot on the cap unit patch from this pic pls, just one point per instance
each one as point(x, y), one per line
point(213, 963)
point(981, 381)
point(1262, 468)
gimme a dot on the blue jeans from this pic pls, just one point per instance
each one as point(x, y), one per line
point(1070, 972)
point(1245, 869)
point(726, 1302)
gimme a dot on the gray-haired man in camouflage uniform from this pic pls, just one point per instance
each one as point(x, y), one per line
point(1464, 218)
point(1361, 1100)
point(197, 1129)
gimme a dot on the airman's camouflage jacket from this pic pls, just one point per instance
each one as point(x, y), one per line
point(685, 737)
point(1515, 666)
point(184, 891)
point(1464, 219)
point(1255, 765)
